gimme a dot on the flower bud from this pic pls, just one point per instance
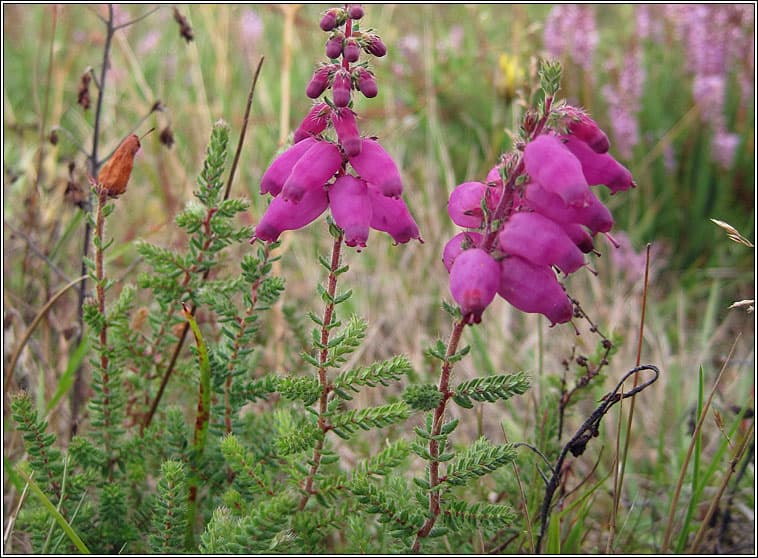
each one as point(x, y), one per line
point(594, 216)
point(351, 208)
point(314, 122)
point(280, 169)
point(474, 281)
point(282, 215)
point(541, 241)
point(341, 86)
point(465, 203)
point(347, 131)
point(600, 168)
point(375, 166)
point(366, 83)
point(355, 11)
point(494, 178)
point(552, 165)
point(332, 18)
point(534, 288)
point(375, 46)
point(391, 215)
point(457, 244)
point(312, 171)
point(334, 45)
point(583, 128)
point(319, 82)
point(351, 50)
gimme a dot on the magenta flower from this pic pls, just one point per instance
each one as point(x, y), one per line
point(341, 86)
point(279, 171)
point(457, 244)
point(465, 203)
point(375, 46)
point(351, 208)
point(355, 11)
point(366, 83)
point(282, 215)
point(313, 170)
point(594, 215)
point(583, 128)
point(391, 215)
point(556, 169)
point(332, 18)
point(347, 131)
point(319, 82)
point(334, 45)
point(314, 122)
point(474, 281)
point(541, 241)
point(534, 288)
point(579, 236)
point(375, 166)
point(600, 168)
point(351, 51)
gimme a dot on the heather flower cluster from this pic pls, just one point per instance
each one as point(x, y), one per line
point(535, 212)
point(330, 164)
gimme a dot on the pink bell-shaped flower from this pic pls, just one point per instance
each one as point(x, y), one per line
point(579, 236)
point(583, 128)
point(600, 168)
point(594, 215)
point(465, 203)
point(541, 241)
point(391, 215)
point(281, 168)
point(552, 165)
point(376, 167)
point(319, 82)
point(313, 170)
point(314, 122)
point(282, 215)
point(474, 280)
point(347, 131)
point(458, 244)
point(534, 288)
point(351, 208)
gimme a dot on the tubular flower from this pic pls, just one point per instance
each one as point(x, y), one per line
point(552, 165)
point(465, 203)
point(347, 131)
point(391, 215)
point(534, 288)
point(376, 166)
point(279, 171)
point(314, 122)
point(282, 215)
point(456, 245)
point(351, 208)
point(600, 168)
point(474, 281)
point(313, 170)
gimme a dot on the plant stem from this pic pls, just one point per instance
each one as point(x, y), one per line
point(434, 449)
point(322, 377)
point(78, 392)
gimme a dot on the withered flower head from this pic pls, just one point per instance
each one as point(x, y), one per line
point(83, 99)
point(185, 29)
point(167, 137)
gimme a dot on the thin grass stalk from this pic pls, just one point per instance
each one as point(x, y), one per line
point(682, 472)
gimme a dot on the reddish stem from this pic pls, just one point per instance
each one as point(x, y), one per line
point(434, 449)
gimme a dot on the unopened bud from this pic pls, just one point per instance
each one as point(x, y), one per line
point(366, 83)
point(341, 87)
point(351, 51)
point(355, 11)
point(375, 46)
point(334, 45)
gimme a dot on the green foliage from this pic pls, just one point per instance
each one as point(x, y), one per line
point(422, 397)
point(168, 523)
point(378, 373)
point(391, 504)
point(490, 388)
point(477, 460)
point(302, 389)
point(347, 423)
point(459, 515)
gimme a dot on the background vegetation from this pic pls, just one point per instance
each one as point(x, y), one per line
point(445, 102)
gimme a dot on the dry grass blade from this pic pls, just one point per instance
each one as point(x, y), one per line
point(32, 327)
point(733, 233)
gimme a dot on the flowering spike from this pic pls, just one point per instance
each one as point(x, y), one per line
point(312, 171)
point(314, 122)
point(534, 288)
point(351, 208)
point(278, 172)
point(541, 241)
point(391, 215)
point(456, 245)
point(347, 131)
point(376, 166)
point(600, 168)
point(552, 165)
point(474, 281)
point(282, 215)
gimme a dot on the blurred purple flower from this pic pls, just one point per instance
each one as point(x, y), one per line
point(250, 30)
point(148, 42)
point(723, 147)
point(570, 30)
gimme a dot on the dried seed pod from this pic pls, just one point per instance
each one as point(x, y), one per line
point(167, 137)
point(83, 98)
point(185, 29)
point(114, 175)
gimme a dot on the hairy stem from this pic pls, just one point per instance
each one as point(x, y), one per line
point(322, 377)
point(77, 393)
point(434, 449)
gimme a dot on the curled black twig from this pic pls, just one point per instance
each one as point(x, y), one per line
point(588, 430)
